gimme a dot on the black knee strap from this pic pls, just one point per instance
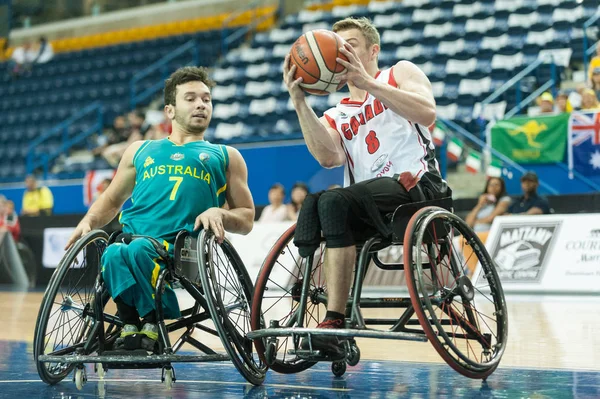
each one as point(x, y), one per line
point(308, 228)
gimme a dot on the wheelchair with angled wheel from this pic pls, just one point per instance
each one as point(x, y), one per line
point(462, 314)
point(78, 323)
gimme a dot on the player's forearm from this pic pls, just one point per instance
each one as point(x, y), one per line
point(238, 220)
point(317, 138)
point(101, 212)
point(409, 105)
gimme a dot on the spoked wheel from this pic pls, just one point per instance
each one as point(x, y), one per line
point(67, 311)
point(465, 320)
point(277, 299)
point(228, 289)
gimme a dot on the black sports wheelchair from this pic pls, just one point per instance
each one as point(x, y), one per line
point(463, 315)
point(78, 323)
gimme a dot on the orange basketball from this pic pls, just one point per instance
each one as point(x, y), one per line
point(314, 55)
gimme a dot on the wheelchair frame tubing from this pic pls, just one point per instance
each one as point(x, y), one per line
point(363, 261)
point(158, 290)
point(304, 295)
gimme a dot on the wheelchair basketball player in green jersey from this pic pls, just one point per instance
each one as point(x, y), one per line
point(178, 183)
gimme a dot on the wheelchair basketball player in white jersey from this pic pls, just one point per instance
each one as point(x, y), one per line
point(380, 134)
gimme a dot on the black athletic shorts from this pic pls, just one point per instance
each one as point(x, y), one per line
point(384, 194)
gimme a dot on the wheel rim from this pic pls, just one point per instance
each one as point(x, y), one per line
point(470, 324)
point(232, 300)
point(277, 295)
point(69, 314)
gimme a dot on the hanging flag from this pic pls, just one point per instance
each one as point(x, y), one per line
point(455, 149)
point(92, 184)
point(532, 140)
point(494, 169)
point(473, 162)
point(584, 143)
point(438, 134)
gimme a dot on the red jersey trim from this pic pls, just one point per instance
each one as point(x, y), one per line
point(330, 120)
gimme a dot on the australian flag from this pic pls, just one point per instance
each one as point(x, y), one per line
point(584, 143)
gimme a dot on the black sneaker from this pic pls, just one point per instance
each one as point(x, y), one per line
point(330, 345)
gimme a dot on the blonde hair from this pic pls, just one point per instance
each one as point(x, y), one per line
point(363, 24)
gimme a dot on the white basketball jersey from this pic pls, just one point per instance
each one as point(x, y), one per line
point(378, 142)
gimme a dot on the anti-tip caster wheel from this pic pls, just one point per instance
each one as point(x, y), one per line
point(168, 377)
point(100, 370)
point(354, 355)
point(338, 368)
point(271, 353)
point(80, 377)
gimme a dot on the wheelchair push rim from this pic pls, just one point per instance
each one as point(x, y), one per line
point(279, 286)
point(66, 317)
point(466, 321)
point(228, 288)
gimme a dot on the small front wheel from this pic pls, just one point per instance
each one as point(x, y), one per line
point(354, 354)
point(80, 377)
point(338, 368)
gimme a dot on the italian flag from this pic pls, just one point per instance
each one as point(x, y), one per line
point(438, 135)
point(473, 162)
point(455, 149)
point(494, 169)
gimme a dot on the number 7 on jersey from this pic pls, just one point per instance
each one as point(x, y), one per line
point(177, 180)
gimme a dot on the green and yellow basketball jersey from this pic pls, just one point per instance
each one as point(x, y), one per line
point(173, 185)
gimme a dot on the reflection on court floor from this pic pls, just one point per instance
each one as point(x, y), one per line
point(553, 352)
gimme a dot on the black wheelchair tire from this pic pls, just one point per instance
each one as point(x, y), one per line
point(424, 308)
point(252, 371)
point(277, 365)
point(48, 301)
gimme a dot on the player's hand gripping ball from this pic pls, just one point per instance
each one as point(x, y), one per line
point(314, 54)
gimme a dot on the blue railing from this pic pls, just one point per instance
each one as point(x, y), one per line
point(228, 36)
point(516, 80)
point(34, 159)
point(484, 147)
point(587, 51)
point(161, 65)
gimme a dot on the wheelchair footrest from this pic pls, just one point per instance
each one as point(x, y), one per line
point(131, 358)
point(307, 354)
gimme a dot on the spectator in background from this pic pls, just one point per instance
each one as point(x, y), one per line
point(9, 218)
point(530, 203)
point(299, 193)
point(562, 103)
point(129, 133)
point(37, 201)
point(42, 52)
point(115, 135)
point(276, 211)
point(21, 60)
point(492, 202)
point(589, 101)
point(594, 63)
point(546, 103)
point(575, 96)
point(595, 81)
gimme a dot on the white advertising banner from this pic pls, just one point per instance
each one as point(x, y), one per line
point(55, 239)
point(547, 253)
point(254, 247)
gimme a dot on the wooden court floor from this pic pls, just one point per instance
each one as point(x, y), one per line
point(552, 338)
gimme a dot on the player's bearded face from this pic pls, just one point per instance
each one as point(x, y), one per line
point(193, 108)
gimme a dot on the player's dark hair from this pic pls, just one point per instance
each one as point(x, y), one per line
point(184, 75)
